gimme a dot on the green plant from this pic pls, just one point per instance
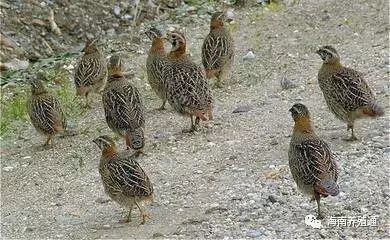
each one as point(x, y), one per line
point(12, 109)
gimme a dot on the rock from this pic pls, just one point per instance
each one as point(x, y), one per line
point(249, 56)
point(102, 200)
point(28, 229)
point(157, 235)
point(117, 10)
point(7, 169)
point(106, 226)
point(242, 109)
point(287, 84)
point(16, 64)
point(272, 199)
point(254, 233)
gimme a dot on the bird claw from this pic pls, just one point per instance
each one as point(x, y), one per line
point(144, 216)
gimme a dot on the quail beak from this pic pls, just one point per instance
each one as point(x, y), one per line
point(318, 52)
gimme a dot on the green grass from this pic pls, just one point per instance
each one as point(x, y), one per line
point(12, 109)
point(57, 82)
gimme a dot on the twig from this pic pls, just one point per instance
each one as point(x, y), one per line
point(53, 25)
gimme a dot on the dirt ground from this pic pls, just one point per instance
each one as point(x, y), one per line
point(231, 179)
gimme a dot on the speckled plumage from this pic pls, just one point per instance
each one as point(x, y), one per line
point(123, 178)
point(45, 111)
point(188, 90)
point(91, 71)
point(123, 107)
point(155, 64)
point(312, 164)
point(346, 92)
point(218, 49)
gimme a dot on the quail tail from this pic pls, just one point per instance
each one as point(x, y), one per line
point(135, 138)
point(327, 187)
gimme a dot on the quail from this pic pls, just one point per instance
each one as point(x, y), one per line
point(187, 88)
point(312, 164)
point(123, 107)
point(123, 178)
point(345, 90)
point(45, 111)
point(91, 71)
point(155, 63)
point(218, 49)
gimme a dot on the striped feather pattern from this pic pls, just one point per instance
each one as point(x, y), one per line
point(46, 114)
point(311, 162)
point(123, 108)
point(91, 71)
point(123, 177)
point(345, 91)
point(217, 49)
point(187, 87)
point(154, 67)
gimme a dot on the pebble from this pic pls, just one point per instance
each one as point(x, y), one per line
point(102, 200)
point(287, 84)
point(106, 226)
point(242, 109)
point(254, 233)
point(117, 10)
point(249, 56)
point(7, 169)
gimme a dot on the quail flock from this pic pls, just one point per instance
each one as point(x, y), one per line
point(176, 79)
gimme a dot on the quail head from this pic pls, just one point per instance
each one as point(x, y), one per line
point(345, 90)
point(45, 111)
point(312, 164)
point(91, 71)
point(122, 105)
point(123, 178)
point(218, 49)
point(155, 63)
point(187, 88)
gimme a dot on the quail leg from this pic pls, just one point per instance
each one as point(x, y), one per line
point(144, 215)
point(193, 127)
point(128, 217)
point(48, 141)
point(87, 103)
point(353, 137)
point(317, 198)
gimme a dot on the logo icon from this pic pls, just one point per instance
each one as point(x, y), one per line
point(312, 221)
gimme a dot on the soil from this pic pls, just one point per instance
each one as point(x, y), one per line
point(231, 179)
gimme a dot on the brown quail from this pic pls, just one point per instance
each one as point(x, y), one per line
point(346, 92)
point(218, 49)
point(312, 164)
point(123, 178)
point(45, 111)
point(122, 104)
point(155, 63)
point(91, 71)
point(187, 88)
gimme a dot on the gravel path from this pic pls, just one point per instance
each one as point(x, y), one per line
point(231, 179)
